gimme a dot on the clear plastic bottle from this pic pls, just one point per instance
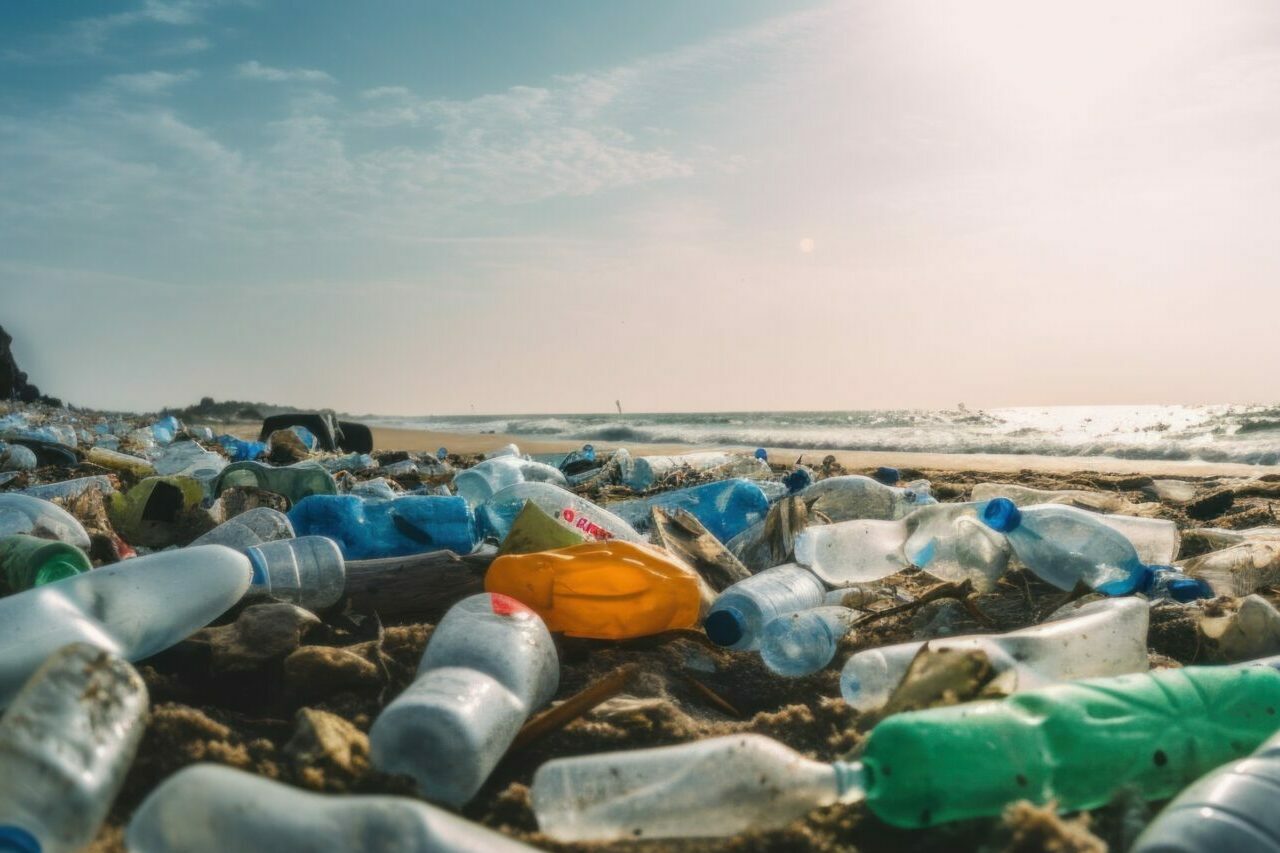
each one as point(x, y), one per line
point(479, 483)
point(70, 488)
point(36, 517)
point(708, 788)
point(1027, 496)
point(135, 608)
point(1065, 546)
point(496, 515)
point(210, 808)
point(854, 496)
point(488, 665)
point(1231, 809)
point(66, 743)
point(1104, 637)
point(504, 451)
point(252, 527)
point(644, 471)
point(188, 458)
point(308, 571)
point(725, 507)
point(803, 642)
point(737, 618)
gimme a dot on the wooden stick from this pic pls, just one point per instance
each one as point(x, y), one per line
point(711, 696)
point(943, 590)
point(426, 584)
point(554, 719)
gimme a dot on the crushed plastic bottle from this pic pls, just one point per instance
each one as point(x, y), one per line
point(801, 643)
point(644, 471)
point(295, 481)
point(308, 571)
point(488, 665)
point(1232, 809)
point(36, 517)
point(368, 529)
point(854, 496)
point(249, 528)
point(26, 561)
point(66, 744)
point(738, 617)
point(68, 489)
point(605, 590)
point(479, 483)
point(496, 515)
point(134, 609)
point(15, 457)
point(211, 808)
point(725, 507)
point(1105, 637)
point(708, 788)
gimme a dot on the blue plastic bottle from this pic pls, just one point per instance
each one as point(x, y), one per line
point(725, 508)
point(368, 529)
point(1065, 546)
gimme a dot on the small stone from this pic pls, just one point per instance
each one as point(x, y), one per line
point(325, 739)
point(286, 448)
point(320, 670)
point(262, 633)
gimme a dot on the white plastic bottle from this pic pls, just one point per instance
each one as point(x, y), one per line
point(307, 571)
point(854, 496)
point(210, 808)
point(36, 517)
point(66, 743)
point(1104, 637)
point(644, 471)
point(133, 609)
point(708, 788)
point(496, 515)
point(253, 527)
point(488, 665)
point(737, 618)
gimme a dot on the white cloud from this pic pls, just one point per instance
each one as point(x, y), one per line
point(255, 70)
point(150, 82)
point(185, 47)
point(89, 36)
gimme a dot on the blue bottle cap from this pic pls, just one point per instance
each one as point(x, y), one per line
point(442, 453)
point(800, 478)
point(1001, 515)
point(762, 454)
point(724, 627)
point(589, 452)
point(15, 839)
point(887, 475)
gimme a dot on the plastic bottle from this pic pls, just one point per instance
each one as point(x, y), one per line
point(66, 743)
point(25, 514)
point(135, 608)
point(605, 590)
point(368, 529)
point(15, 457)
point(211, 808)
point(249, 528)
point(707, 788)
point(488, 665)
point(647, 470)
point(26, 561)
point(496, 515)
point(308, 571)
point(1065, 546)
point(295, 481)
point(478, 483)
point(798, 479)
point(1239, 570)
point(1077, 744)
point(725, 507)
point(1232, 809)
point(505, 450)
point(70, 488)
point(1027, 496)
point(190, 459)
point(1107, 637)
point(803, 642)
point(854, 496)
point(737, 618)
point(887, 475)
point(118, 461)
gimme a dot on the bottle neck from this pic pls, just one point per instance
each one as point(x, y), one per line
point(15, 839)
point(851, 781)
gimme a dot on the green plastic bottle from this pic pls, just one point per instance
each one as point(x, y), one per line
point(1077, 743)
point(27, 561)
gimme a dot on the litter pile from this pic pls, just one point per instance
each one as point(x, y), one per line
point(301, 643)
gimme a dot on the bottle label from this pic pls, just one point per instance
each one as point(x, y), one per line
point(586, 525)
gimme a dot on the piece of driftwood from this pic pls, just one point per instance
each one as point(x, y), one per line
point(683, 535)
point(772, 542)
point(420, 584)
point(556, 718)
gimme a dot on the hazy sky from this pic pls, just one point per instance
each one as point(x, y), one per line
point(406, 207)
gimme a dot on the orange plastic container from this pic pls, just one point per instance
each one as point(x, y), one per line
point(606, 590)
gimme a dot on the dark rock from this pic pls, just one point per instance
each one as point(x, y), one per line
point(13, 382)
point(1211, 505)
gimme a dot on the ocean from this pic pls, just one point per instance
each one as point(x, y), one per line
point(1209, 433)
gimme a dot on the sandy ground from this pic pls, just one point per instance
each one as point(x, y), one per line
point(422, 440)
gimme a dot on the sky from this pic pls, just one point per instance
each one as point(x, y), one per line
point(414, 207)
